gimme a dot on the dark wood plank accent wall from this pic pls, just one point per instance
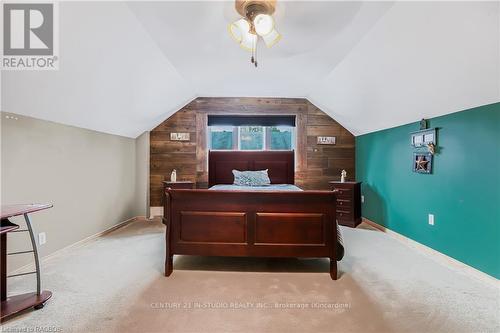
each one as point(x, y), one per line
point(315, 164)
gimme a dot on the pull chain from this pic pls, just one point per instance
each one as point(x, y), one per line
point(255, 51)
point(252, 59)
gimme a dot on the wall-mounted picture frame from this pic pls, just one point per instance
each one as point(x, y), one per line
point(326, 140)
point(179, 137)
point(422, 162)
point(423, 137)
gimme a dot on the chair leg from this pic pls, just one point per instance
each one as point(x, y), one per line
point(333, 269)
point(169, 265)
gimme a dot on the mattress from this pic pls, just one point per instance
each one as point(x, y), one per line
point(272, 187)
point(278, 187)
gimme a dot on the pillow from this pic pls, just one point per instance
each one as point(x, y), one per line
point(251, 178)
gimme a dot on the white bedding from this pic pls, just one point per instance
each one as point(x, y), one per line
point(272, 187)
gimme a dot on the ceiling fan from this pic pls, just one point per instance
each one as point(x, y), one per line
point(257, 21)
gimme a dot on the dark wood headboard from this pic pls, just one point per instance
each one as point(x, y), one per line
point(281, 165)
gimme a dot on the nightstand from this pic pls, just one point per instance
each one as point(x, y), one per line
point(348, 203)
point(182, 184)
point(178, 185)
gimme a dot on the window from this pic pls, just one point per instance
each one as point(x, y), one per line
point(251, 137)
point(221, 137)
point(280, 137)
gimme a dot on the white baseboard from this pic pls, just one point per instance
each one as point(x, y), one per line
point(155, 211)
point(437, 256)
point(80, 243)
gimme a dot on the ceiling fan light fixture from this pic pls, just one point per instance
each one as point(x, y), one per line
point(239, 29)
point(271, 38)
point(256, 21)
point(264, 24)
point(248, 42)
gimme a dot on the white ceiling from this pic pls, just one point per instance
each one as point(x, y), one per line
point(124, 67)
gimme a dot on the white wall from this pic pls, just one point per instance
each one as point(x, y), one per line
point(90, 177)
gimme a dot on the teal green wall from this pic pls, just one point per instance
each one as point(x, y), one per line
point(463, 192)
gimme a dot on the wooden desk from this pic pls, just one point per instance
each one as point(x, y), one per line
point(15, 304)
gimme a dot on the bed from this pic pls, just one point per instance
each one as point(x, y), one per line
point(276, 221)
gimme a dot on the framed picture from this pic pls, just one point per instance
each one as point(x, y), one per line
point(417, 140)
point(423, 137)
point(429, 138)
point(179, 136)
point(422, 162)
point(326, 140)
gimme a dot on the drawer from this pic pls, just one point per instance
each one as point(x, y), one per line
point(344, 215)
point(344, 203)
point(344, 193)
point(345, 210)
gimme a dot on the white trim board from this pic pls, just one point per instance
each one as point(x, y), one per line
point(437, 256)
point(79, 243)
point(155, 211)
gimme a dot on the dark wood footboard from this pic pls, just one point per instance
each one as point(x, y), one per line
point(250, 224)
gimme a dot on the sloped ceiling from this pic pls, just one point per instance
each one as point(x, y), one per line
point(125, 67)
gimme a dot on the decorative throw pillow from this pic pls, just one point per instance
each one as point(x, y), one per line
point(251, 178)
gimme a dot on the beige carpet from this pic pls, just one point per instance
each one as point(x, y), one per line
point(115, 284)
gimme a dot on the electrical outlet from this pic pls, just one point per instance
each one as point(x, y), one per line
point(362, 199)
point(42, 238)
point(431, 219)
